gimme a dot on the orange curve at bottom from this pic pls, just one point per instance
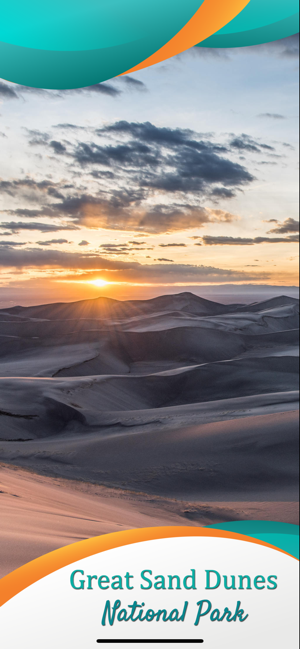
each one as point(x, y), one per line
point(31, 572)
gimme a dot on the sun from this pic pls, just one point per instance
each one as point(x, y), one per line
point(99, 282)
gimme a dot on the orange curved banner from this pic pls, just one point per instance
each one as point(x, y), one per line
point(208, 19)
point(31, 572)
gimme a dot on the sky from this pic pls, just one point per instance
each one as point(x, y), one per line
point(183, 175)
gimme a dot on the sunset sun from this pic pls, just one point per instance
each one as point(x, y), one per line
point(99, 282)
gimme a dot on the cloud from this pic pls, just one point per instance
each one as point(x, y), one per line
point(246, 143)
point(16, 91)
point(287, 48)
point(51, 242)
point(133, 154)
point(108, 89)
point(148, 132)
point(41, 227)
point(172, 245)
point(244, 241)
point(31, 90)
point(98, 88)
point(122, 249)
point(70, 127)
point(137, 243)
point(84, 243)
point(13, 244)
point(32, 188)
point(7, 92)
point(125, 210)
point(290, 47)
point(119, 271)
point(222, 192)
point(283, 48)
point(288, 225)
point(161, 178)
point(37, 138)
point(272, 115)
point(193, 165)
point(57, 147)
point(132, 83)
point(217, 53)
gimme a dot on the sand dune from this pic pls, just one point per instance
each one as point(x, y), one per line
point(40, 514)
point(174, 398)
point(249, 458)
point(44, 407)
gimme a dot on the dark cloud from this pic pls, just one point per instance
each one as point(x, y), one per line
point(217, 53)
point(172, 245)
point(12, 243)
point(84, 243)
point(134, 154)
point(15, 91)
point(244, 241)
point(108, 89)
point(51, 242)
point(272, 115)
point(132, 83)
point(122, 248)
point(161, 177)
point(71, 127)
point(98, 88)
point(265, 162)
point(287, 48)
point(31, 90)
point(37, 138)
point(169, 160)
point(34, 189)
point(148, 132)
point(57, 147)
point(283, 48)
point(163, 259)
point(222, 192)
point(124, 210)
point(7, 92)
point(99, 175)
point(87, 267)
point(15, 226)
point(137, 243)
point(245, 143)
point(288, 225)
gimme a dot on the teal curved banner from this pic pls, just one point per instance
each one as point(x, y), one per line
point(70, 43)
point(261, 21)
point(282, 535)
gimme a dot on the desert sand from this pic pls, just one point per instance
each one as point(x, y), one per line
point(175, 410)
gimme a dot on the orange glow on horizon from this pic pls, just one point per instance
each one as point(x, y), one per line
point(99, 282)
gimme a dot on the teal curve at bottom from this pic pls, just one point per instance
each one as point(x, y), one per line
point(282, 535)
